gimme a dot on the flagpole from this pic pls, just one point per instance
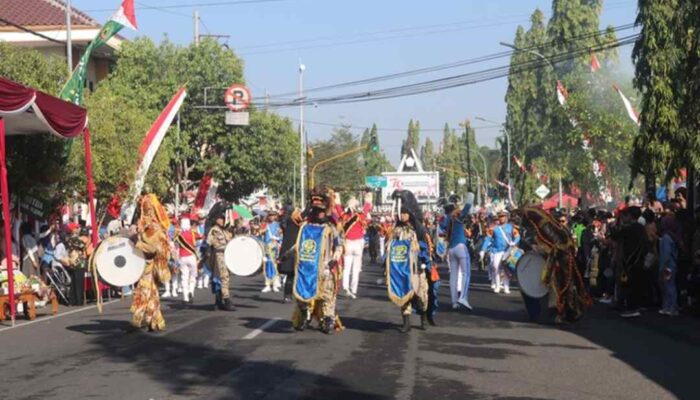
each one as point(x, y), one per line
point(69, 40)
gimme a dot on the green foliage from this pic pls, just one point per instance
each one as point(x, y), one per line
point(427, 155)
point(412, 140)
point(375, 161)
point(344, 174)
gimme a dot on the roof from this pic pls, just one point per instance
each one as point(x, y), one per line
point(42, 13)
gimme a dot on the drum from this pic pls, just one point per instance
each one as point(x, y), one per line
point(529, 269)
point(511, 259)
point(118, 261)
point(441, 247)
point(244, 255)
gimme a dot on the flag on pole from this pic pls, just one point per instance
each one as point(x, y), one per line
point(633, 114)
point(519, 163)
point(206, 194)
point(595, 65)
point(562, 93)
point(125, 16)
point(149, 148)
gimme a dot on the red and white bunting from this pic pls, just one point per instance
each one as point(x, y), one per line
point(631, 111)
point(562, 93)
point(595, 64)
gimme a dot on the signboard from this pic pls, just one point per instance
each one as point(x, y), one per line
point(542, 191)
point(237, 97)
point(240, 118)
point(376, 181)
point(424, 185)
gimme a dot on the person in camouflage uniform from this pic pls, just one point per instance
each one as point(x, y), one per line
point(217, 239)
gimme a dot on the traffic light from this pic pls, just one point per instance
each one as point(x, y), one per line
point(373, 144)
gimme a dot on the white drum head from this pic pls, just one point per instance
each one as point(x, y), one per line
point(529, 269)
point(119, 262)
point(244, 256)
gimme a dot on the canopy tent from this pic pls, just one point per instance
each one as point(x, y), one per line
point(567, 201)
point(26, 111)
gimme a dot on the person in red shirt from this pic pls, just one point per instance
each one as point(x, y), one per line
point(186, 240)
point(354, 225)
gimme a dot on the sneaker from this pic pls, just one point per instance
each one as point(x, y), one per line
point(630, 314)
point(200, 284)
point(663, 312)
point(493, 286)
point(347, 293)
point(497, 290)
point(352, 295)
point(506, 290)
point(672, 313)
point(465, 304)
point(165, 295)
point(276, 289)
point(455, 306)
point(605, 300)
point(266, 289)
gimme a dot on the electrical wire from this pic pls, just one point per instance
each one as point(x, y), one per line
point(197, 5)
point(33, 32)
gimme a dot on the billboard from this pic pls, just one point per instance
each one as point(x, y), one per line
point(424, 185)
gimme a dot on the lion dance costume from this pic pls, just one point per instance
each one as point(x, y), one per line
point(153, 241)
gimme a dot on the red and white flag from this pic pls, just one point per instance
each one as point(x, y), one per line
point(595, 65)
point(502, 184)
point(206, 194)
point(633, 114)
point(562, 93)
point(126, 15)
point(519, 163)
point(149, 148)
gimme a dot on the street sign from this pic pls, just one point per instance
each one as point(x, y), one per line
point(240, 118)
point(542, 191)
point(237, 97)
point(376, 181)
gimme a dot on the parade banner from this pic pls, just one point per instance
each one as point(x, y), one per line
point(398, 271)
point(148, 150)
point(309, 250)
point(125, 16)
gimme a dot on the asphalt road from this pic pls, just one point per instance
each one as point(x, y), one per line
point(253, 353)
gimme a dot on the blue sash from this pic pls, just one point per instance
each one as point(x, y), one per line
point(271, 263)
point(398, 267)
point(309, 250)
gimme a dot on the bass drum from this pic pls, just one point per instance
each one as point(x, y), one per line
point(244, 255)
point(118, 261)
point(529, 269)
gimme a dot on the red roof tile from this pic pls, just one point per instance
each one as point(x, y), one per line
point(41, 12)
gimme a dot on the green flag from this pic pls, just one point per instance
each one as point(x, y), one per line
point(125, 16)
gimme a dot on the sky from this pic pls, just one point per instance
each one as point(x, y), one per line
point(340, 41)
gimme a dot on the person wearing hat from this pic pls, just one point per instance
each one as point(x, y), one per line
point(186, 241)
point(458, 258)
point(218, 239)
point(505, 236)
point(272, 237)
point(317, 265)
point(354, 225)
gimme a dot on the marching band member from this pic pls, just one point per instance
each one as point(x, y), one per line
point(407, 260)
point(186, 240)
point(287, 258)
point(354, 225)
point(272, 238)
point(217, 239)
point(458, 254)
point(152, 239)
point(504, 236)
point(317, 269)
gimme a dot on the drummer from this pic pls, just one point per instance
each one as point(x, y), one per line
point(505, 236)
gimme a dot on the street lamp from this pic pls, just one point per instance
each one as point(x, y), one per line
point(505, 132)
point(302, 145)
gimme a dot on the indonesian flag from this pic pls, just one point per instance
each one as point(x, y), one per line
point(206, 194)
point(633, 114)
point(595, 65)
point(519, 163)
point(562, 93)
point(126, 15)
point(149, 148)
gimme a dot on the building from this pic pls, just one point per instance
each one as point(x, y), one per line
point(48, 18)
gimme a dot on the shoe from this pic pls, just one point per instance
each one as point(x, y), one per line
point(465, 304)
point(431, 320)
point(406, 324)
point(630, 314)
point(672, 313)
point(497, 290)
point(605, 300)
point(266, 289)
point(347, 293)
point(506, 290)
point(276, 289)
point(663, 312)
point(227, 305)
point(352, 295)
point(286, 299)
point(200, 284)
point(423, 320)
point(455, 306)
point(218, 304)
point(328, 326)
point(493, 286)
point(191, 301)
point(206, 283)
point(165, 295)
point(185, 297)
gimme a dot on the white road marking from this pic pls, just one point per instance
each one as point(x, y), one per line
point(56, 316)
point(262, 328)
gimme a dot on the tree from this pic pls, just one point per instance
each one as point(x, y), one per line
point(448, 161)
point(427, 155)
point(344, 174)
point(375, 162)
point(412, 138)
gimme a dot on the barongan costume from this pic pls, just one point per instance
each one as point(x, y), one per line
point(153, 241)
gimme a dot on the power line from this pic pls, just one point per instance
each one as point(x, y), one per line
point(35, 33)
point(351, 126)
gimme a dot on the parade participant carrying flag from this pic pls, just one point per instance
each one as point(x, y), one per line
point(124, 17)
point(317, 270)
point(408, 260)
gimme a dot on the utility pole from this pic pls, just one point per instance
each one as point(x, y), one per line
point(196, 27)
point(69, 39)
point(177, 171)
point(302, 144)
